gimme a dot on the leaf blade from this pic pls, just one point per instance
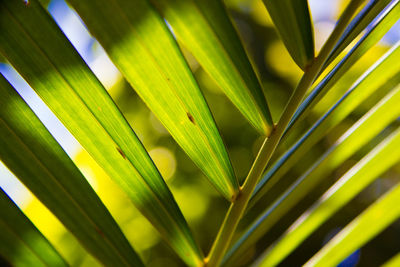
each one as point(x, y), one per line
point(205, 29)
point(33, 155)
point(381, 26)
point(383, 212)
point(393, 262)
point(293, 22)
point(357, 25)
point(372, 80)
point(367, 170)
point(14, 244)
point(148, 57)
point(74, 94)
point(353, 139)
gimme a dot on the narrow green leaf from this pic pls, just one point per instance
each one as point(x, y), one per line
point(21, 243)
point(371, 81)
point(384, 156)
point(205, 29)
point(269, 145)
point(393, 262)
point(36, 47)
point(357, 25)
point(34, 156)
point(139, 43)
point(382, 213)
point(293, 21)
point(351, 141)
point(381, 26)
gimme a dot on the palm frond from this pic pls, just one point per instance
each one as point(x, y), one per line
point(378, 118)
point(168, 51)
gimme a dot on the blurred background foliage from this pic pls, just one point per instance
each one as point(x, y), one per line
point(199, 201)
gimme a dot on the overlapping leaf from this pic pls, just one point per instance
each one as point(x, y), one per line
point(393, 262)
point(139, 43)
point(352, 140)
point(382, 213)
point(357, 25)
point(21, 243)
point(293, 21)
point(372, 80)
point(353, 182)
point(32, 154)
point(36, 47)
point(205, 29)
point(379, 29)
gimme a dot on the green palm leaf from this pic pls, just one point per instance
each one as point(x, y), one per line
point(143, 39)
point(205, 29)
point(141, 46)
point(393, 262)
point(352, 140)
point(371, 81)
point(293, 22)
point(357, 25)
point(382, 213)
point(32, 154)
point(384, 156)
point(21, 243)
point(60, 77)
point(379, 29)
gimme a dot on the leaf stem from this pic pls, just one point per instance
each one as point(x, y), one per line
point(267, 149)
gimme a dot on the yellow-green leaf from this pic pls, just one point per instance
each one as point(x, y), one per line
point(205, 29)
point(38, 50)
point(382, 25)
point(293, 21)
point(139, 43)
point(393, 262)
point(382, 213)
point(357, 25)
point(371, 81)
point(351, 141)
point(34, 156)
point(21, 243)
point(367, 170)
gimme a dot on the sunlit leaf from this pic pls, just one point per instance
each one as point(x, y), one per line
point(141, 39)
point(379, 29)
point(357, 25)
point(372, 80)
point(139, 43)
point(393, 262)
point(21, 243)
point(351, 141)
point(362, 229)
point(293, 22)
point(205, 29)
point(384, 156)
point(32, 154)
point(55, 71)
